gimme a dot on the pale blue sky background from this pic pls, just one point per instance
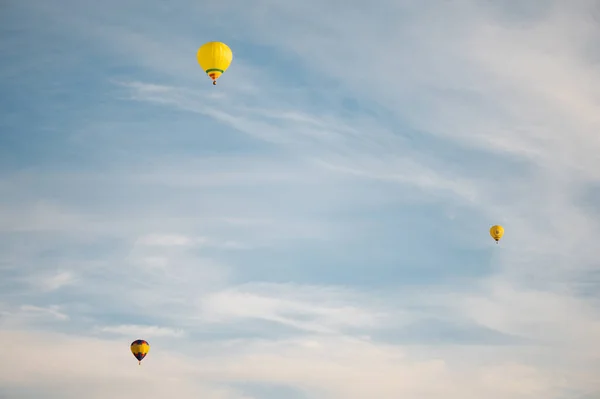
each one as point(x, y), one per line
point(316, 225)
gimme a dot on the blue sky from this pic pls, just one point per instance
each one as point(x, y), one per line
point(316, 225)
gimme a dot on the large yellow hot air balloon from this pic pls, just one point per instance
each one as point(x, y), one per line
point(497, 232)
point(140, 349)
point(214, 58)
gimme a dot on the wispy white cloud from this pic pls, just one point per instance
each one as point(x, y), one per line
point(330, 143)
point(43, 311)
point(130, 330)
point(168, 240)
point(30, 315)
point(560, 318)
point(55, 281)
point(312, 309)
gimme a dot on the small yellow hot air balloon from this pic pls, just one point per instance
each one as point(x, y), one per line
point(497, 232)
point(214, 58)
point(140, 349)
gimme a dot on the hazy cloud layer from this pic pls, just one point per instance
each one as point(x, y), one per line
point(316, 225)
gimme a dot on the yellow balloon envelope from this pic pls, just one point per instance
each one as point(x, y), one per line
point(214, 58)
point(497, 232)
point(140, 349)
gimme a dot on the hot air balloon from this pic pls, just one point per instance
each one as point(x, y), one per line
point(497, 232)
point(214, 58)
point(140, 349)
